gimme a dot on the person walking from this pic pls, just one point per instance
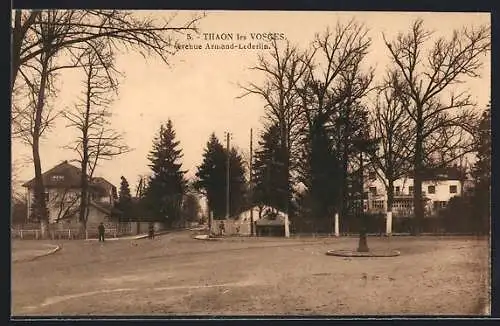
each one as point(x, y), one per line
point(101, 231)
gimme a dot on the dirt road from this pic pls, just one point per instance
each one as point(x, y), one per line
point(175, 274)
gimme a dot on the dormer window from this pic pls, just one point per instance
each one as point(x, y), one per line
point(58, 178)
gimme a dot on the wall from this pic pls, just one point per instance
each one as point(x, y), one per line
point(231, 227)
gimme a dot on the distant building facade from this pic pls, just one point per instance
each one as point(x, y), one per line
point(62, 194)
point(436, 192)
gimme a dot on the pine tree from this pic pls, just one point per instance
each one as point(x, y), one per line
point(166, 187)
point(270, 175)
point(211, 179)
point(211, 176)
point(323, 171)
point(125, 199)
point(238, 185)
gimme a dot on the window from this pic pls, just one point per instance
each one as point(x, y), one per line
point(378, 204)
point(431, 189)
point(58, 178)
point(410, 190)
point(372, 176)
point(453, 189)
point(440, 204)
point(47, 196)
point(398, 189)
point(373, 190)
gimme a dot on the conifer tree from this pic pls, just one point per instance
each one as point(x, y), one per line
point(323, 172)
point(125, 198)
point(211, 179)
point(238, 185)
point(166, 187)
point(270, 175)
point(211, 176)
point(482, 170)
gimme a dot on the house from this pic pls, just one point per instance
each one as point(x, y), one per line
point(62, 194)
point(437, 190)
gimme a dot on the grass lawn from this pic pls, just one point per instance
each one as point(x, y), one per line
point(175, 274)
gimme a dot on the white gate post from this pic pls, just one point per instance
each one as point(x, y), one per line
point(388, 223)
point(337, 233)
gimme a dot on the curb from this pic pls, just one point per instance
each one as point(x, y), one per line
point(355, 254)
point(205, 238)
point(50, 252)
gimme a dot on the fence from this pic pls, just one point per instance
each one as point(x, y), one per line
point(70, 231)
point(376, 224)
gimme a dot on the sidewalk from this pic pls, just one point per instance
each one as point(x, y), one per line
point(21, 253)
point(131, 237)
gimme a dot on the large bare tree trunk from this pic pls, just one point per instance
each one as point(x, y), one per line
point(417, 182)
point(345, 164)
point(39, 191)
point(84, 196)
point(17, 39)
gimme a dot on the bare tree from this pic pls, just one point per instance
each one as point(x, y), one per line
point(335, 53)
point(283, 69)
point(119, 28)
point(41, 37)
point(333, 87)
point(65, 201)
point(97, 140)
point(394, 129)
point(424, 80)
point(29, 118)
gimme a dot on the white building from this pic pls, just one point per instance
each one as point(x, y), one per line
point(436, 193)
point(62, 195)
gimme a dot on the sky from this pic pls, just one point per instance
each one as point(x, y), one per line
point(199, 89)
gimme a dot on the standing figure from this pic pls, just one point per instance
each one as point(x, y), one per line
point(222, 228)
point(151, 233)
point(101, 230)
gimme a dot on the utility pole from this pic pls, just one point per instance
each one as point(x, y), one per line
point(251, 186)
point(227, 175)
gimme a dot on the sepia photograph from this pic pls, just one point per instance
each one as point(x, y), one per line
point(250, 163)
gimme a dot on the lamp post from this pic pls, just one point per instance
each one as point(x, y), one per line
point(363, 144)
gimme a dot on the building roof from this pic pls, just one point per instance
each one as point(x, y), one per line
point(71, 178)
point(71, 173)
point(101, 182)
